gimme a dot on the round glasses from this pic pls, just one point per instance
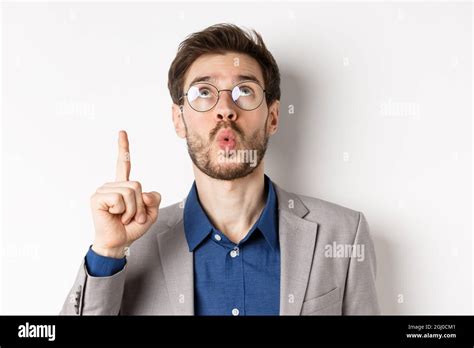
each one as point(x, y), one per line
point(247, 95)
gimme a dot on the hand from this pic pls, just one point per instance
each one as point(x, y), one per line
point(122, 213)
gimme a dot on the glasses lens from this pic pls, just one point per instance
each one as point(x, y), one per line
point(248, 95)
point(202, 96)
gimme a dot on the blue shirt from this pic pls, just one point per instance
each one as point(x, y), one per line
point(229, 278)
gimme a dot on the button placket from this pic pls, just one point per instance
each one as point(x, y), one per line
point(235, 282)
point(235, 252)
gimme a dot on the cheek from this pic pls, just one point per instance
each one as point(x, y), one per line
point(199, 124)
point(254, 121)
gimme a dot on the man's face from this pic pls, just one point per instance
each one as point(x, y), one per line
point(225, 142)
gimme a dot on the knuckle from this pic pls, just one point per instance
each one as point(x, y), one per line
point(136, 185)
point(129, 193)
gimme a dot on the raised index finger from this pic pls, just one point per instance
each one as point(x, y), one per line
point(123, 161)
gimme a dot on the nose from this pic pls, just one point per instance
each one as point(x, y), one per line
point(225, 108)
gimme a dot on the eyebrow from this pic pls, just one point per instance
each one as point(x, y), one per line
point(249, 77)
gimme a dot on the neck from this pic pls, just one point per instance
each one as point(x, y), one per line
point(233, 206)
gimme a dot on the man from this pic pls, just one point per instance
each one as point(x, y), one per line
point(239, 244)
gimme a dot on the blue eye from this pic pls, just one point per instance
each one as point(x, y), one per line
point(246, 91)
point(204, 93)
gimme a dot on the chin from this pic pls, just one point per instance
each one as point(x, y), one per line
point(229, 171)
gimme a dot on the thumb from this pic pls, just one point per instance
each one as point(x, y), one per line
point(152, 202)
point(151, 199)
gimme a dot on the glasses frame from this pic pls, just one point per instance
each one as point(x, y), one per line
point(224, 90)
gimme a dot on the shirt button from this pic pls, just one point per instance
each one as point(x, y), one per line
point(217, 237)
point(234, 252)
point(235, 312)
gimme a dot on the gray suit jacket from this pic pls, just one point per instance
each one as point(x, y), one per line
point(317, 278)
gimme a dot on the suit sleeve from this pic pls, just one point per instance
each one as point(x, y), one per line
point(360, 295)
point(95, 295)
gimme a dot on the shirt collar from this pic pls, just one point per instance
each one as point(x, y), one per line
point(197, 225)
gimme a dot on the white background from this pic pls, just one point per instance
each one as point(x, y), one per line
point(382, 124)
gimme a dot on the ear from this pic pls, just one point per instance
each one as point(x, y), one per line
point(178, 121)
point(273, 117)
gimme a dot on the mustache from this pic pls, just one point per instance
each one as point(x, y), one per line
point(221, 125)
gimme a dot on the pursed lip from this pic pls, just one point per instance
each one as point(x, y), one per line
point(226, 139)
point(226, 135)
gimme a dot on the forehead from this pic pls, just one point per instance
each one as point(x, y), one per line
point(224, 70)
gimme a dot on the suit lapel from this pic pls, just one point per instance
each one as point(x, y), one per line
point(177, 263)
point(297, 243)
